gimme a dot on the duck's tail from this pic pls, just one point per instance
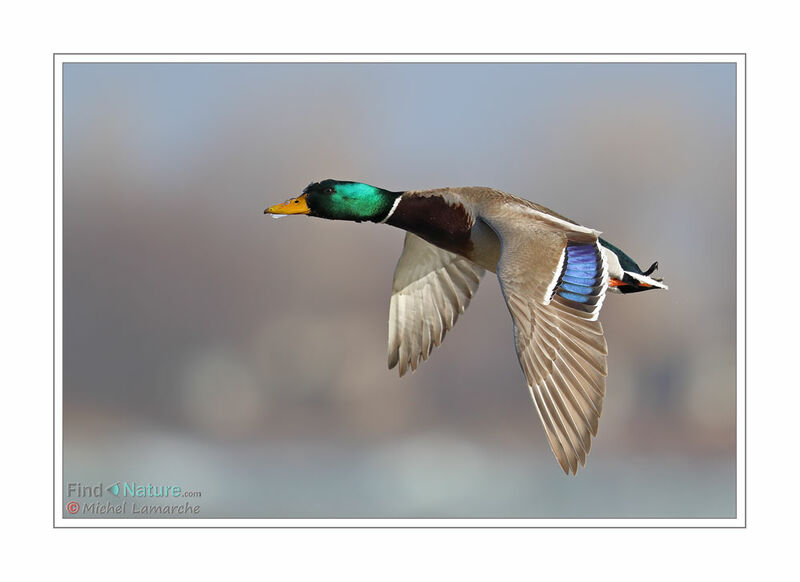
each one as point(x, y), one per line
point(625, 275)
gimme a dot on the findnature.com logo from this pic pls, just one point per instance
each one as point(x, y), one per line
point(133, 495)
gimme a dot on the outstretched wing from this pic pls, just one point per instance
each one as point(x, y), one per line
point(431, 288)
point(554, 283)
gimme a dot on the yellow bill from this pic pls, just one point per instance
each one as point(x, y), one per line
point(294, 206)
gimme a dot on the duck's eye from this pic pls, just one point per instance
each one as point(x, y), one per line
point(328, 190)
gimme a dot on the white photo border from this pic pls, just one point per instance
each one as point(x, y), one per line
point(738, 59)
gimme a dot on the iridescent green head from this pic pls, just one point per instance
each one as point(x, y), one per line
point(339, 200)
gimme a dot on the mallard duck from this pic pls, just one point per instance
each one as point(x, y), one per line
point(553, 272)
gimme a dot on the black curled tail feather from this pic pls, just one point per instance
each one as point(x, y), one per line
point(651, 269)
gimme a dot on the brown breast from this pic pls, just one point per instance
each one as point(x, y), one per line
point(437, 221)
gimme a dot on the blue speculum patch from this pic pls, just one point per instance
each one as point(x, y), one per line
point(582, 273)
point(579, 279)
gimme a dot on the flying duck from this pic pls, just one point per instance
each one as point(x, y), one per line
point(553, 272)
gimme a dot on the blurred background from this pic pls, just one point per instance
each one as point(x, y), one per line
point(210, 347)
